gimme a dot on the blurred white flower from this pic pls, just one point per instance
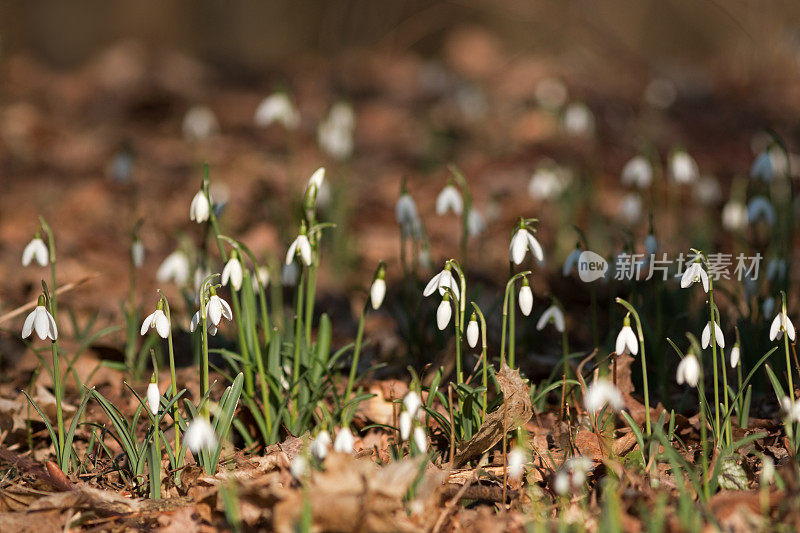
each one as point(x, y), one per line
point(734, 216)
point(260, 275)
point(561, 483)
point(767, 471)
point(42, 322)
point(683, 168)
point(344, 441)
point(602, 393)
point(200, 208)
point(200, 436)
point(412, 403)
point(688, 371)
point(158, 320)
point(525, 297)
point(440, 281)
point(449, 199)
point(771, 162)
point(404, 422)
point(694, 273)
point(638, 171)
point(707, 191)
point(660, 93)
point(232, 273)
point(516, 463)
point(36, 249)
point(473, 331)
point(153, 398)
point(768, 306)
point(199, 123)
point(759, 208)
point(335, 132)
point(443, 313)
point(552, 314)
point(475, 223)
point(420, 439)
point(408, 217)
point(137, 253)
point(319, 446)
point(630, 208)
point(578, 120)
point(277, 108)
point(290, 274)
point(298, 467)
point(791, 408)
point(718, 336)
point(548, 182)
point(780, 324)
point(522, 241)
point(551, 93)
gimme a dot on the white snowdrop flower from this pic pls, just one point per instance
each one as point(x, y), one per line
point(475, 223)
point(578, 120)
point(683, 168)
point(660, 93)
point(377, 292)
point(443, 313)
point(776, 269)
point(791, 408)
point(735, 355)
point(153, 397)
point(232, 273)
point(473, 332)
point(759, 208)
point(718, 336)
point(688, 371)
point(298, 467)
point(300, 246)
point(137, 253)
point(638, 171)
point(157, 320)
point(707, 191)
point(199, 123)
point(694, 273)
point(734, 216)
point(290, 274)
point(196, 318)
point(317, 181)
point(571, 261)
point(516, 463)
point(200, 436)
point(547, 183)
point(344, 441)
point(449, 199)
point(335, 132)
point(522, 241)
point(602, 393)
point(319, 446)
point(551, 93)
point(768, 306)
point(561, 483)
point(420, 439)
point(780, 324)
point(630, 208)
point(261, 275)
point(580, 467)
point(424, 261)
point(767, 471)
point(408, 217)
point(216, 308)
point(404, 422)
point(554, 315)
point(440, 281)
point(770, 162)
point(200, 208)
point(36, 249)
point(626, 339)
point(41, 321)
point(277, 108)
point(412, 403)
point(525, 297)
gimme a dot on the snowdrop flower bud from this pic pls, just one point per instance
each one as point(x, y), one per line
point(277, 108)
point(41, 321)
point(36, 249)
point(475, 223)
point(683, 167)
point(298, 467)
point(449, 199)
point(443, 313)
point(407, 216)
point(718, 336)
point(420, 439)
point(735, 355)
point(759, 208)
point(199, 123)
point(638, 171)
point(378, 289)
point(158, 320)
point(472, 331)
point(688, 371)
point(521, 242)
point(791, 408)
point(137, 253)
point(734, 216)
point(626, 339)
point(404, 422)
point(200, 436)
point(516, 464)
point(300, 246)
point(319, 446)
point(578, 120)
point(344, 441)
point(525, 297)
point(602, 393)
point(216, 308)
point(780, 324)
point(232, 273)
point(552, 314)
point(153, 396)
point(200, 208)
point(174, 268)
point(693, 274)
point(412, 403)
point(442, 281)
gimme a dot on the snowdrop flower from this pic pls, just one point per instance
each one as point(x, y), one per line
point(216, 308)
point(768, 306)
point(404, 422)
point(200, 436)
point(153, 396)
point(41, 321)
point(157, 320)
point(602, 393)
point(475, 223)
point(196, 318)
point(561, 483)
point(630, 208)
point(707, 191)
point(300, 246)
point(780, 324)
point(764, 166)
point(578, 120)
point(791, 408)
point(335, 132)
point(626, 339)
point(317, 193)
point(199, 123)
point(552, 314)
point(174, 268)
point(407, 216)
point(378, 289)
point(36, 249)
point(289, 274)
point(579, 466)
point(734, 216)
point(521, 242)
point(232, 273)
point(412, 403)
point(688, 371)
point(298, 467)
point(547, 183)
point(277, 107)
point(344, 441)
point(571, 261)
point(137, 253)
point(650, 244)
point(525, 297)
point(516, 463)
point(319, 446)
point(260, 275)
point(638, 171)
point(200, 208)
point(683, 167)
point(443, 313)
point(767, 470)
point(693, 274)
point(718, 336)
point(449, 199)
point(551, 93)
point(759, 208)
point(420, 439)
point(473, 331)
point(441, 281)
point(735, 355)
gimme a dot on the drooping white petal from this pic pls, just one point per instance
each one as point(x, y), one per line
point(775, 327)
point(153, 398)
point(719, 336)
point(344, 441)
point(200, 436)
point(526, 300)
point(148, 321)
point(473, 331)
point(788, 327)
point(420, 439)
point(291, 252)
point(440, 281)
point(552, 314)
point(432, 285)
point(631, 341)
point(27, 327)
point(735, 356)
point(305, 249)
point(232, 273)
point(40, 322)
point(518, 246)
point(536, 248)
point(226, 309)
point(36, 249)
point(319, 446)
point(412, 403)
point(175, 267)
point(706, 336)
point(404, 424)
point(53, 329)
point(214, 310)
point(688, 371)
point(195, 322)
point(443, 314)
point(161, 324)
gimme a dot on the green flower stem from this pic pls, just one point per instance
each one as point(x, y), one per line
point(356, 353)
point(786, 351)
point(459, 321)
point(509, 294)
point(714, 359)
point(511, 321)
point(640, 334)
point(62, 455)
point(703, 431)
point(485, 373)
point(173, 381)
point(204, 385)
point(298, 334)
point(311, 290)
